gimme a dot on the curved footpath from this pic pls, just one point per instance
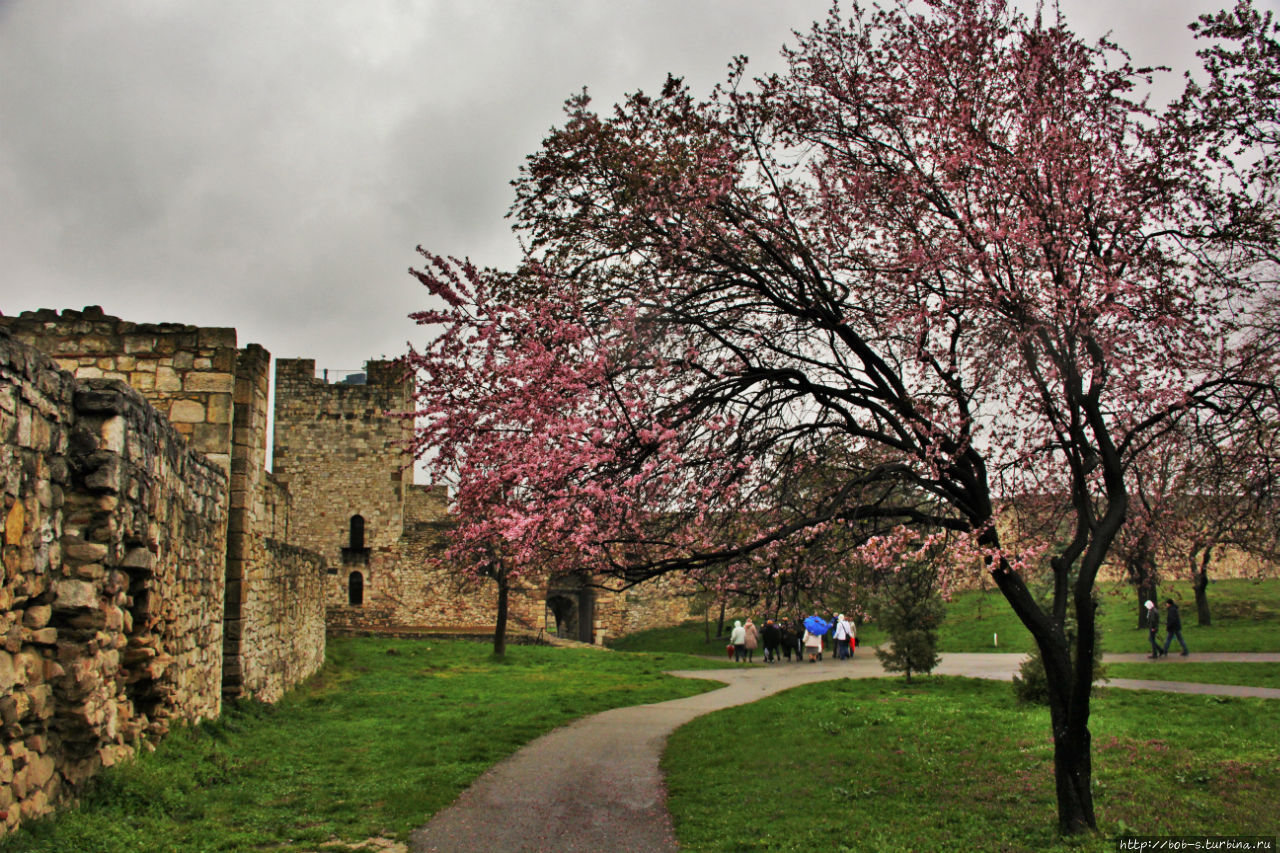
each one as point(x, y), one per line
point(595, 784)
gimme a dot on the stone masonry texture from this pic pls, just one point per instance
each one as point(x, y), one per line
point(152, 566)
point(339, 451)
point(148, 573)
point(113, 543)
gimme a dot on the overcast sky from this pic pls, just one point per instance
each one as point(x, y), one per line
point(271, 165)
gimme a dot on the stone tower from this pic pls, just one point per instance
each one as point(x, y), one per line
point(344, 463)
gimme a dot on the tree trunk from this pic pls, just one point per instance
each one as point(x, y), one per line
point(1139, 565)
point(1142, 574)
point(1200, 583)
point(1072, 769)
point(500, 629)
point(1069, 689)
point(720, 623)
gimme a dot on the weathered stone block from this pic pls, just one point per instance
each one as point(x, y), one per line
point(215, 337)
point(106, 400)
point(8, 674)
point(74, 594)
point(14, 707)
point(44, 636)
point(15, 524)
point(219, 410)
point(37, 616)
point(78, 550)
point(106, 477)
point(139, 559)
point(90, 571)
point(36, 805)
point(112, 434)
point(140, 344)
point(223, 383)
point(40, 771)
point(167, 379)
point(186, 412)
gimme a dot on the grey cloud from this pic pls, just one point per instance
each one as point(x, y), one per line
point(270, 166)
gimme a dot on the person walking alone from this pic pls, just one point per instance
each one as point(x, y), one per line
point(1172, 627)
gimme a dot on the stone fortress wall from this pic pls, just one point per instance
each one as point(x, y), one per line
point(152, 565)
point(343, 461)
point(153, 529)
point(114, 536)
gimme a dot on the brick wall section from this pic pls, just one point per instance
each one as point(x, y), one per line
point(656, 603)
point(187, 372)
point(249, 392)
point(414, 593)
point(339, 456)
point(216, 397)
point(273, 499)
point(284, 619)
point(273, 637)
point(113, 542)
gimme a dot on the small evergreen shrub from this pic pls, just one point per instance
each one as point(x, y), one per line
point(1031, 684)
point(908, 608)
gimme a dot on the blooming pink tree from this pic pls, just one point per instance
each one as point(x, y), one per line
point(952, 242)
point(1206, 488)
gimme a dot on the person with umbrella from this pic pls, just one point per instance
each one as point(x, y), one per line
point(814, 629)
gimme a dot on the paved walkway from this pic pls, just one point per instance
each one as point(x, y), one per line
point(595, 784)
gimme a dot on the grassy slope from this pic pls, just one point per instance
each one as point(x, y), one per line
point(954, 764)
point(1249, 674)
point(1246, 619)
point(392, 730)
point(386, 735)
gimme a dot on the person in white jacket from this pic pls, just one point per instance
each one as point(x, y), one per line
point(844, 633)
point(738, 638)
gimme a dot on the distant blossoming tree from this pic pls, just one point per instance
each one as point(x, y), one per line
point(950, 241)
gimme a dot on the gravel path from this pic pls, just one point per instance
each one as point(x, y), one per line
point(594, 785)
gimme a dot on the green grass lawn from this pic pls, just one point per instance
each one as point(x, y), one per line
point(387, 734)
point(1249, 674)
point(391, 731)
point(1246, 618)
point(956, 764)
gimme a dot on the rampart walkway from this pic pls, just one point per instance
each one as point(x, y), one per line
point(595, 784)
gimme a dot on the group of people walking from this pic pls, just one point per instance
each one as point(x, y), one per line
point(783, 638)
point(1172, 628)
